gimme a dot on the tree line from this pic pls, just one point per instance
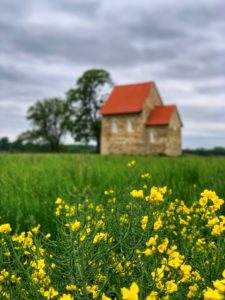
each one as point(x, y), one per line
point(78, 114)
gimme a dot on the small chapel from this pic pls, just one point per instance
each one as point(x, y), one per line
point(135, 121)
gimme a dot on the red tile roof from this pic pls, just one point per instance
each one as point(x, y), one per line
point(160, 115)
point(126, 99)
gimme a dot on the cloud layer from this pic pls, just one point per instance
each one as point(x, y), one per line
point(46, 45)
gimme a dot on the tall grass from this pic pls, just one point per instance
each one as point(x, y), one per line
point(29, 184)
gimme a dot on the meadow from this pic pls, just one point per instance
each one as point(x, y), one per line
point(29, 184)
point(114, 227)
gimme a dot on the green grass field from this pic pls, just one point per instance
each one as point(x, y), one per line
point(29, 184)
point(110, 234)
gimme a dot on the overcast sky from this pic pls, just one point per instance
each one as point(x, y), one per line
point(46, 45)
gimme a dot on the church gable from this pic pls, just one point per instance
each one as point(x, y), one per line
point(151, 101)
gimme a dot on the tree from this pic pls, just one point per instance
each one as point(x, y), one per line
point(84, 102)
point(4, 144)
point(49, 121)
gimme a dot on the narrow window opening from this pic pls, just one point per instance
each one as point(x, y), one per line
point(152, 136)
point(130, 126)
point(114, 126)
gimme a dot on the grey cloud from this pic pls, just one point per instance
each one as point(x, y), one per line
point(9, 75)
point(203, 114)
point(12, 121)
point(70, 45)
point(13, 9)
point(202, 13)
point(213, 89)
point(82, 7)
point(111, 41)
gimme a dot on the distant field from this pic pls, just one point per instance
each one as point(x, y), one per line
point(29, 184)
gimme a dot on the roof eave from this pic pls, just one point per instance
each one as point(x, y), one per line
point(164, 124)
point(121, 113)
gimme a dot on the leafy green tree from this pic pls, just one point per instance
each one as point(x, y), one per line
point(48, 119)
point(4, 143)
point(84, 102)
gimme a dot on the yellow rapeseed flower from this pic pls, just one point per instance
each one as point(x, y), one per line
point(156, 194)
point(186, 269)
point(203, 201)
point(152, 241)
point(158, 224)
point(162, 247)
point(66, 297)
point(50, 293)
point(99, 236)
point(75, 226)
point(152, 296)
point(108, 192)
point(219, 285)
point(131, 293)
point(94, 290)
point(48, 235)
point(175, 258)
point(59, 201)
point(158, 274)
point(71, 287)
point(217, 202)
point(211, 294)
point(104, 297)
point(5, 228)
point(131, 163)
point(124, 218)
point(144, 222)
point(3, 275)
point(217, 230)
point(53, 265)
point(36, 229)
point(148, 251)
point(171, 287)
point(192, 291)
point(146, 176)
point(137, 193)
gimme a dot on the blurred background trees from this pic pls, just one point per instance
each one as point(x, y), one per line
point(85, 102)
point(48, 120)
point(78, 115)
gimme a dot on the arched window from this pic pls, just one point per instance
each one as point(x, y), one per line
point(130, 127)
point(114, 125)
point(152, 136)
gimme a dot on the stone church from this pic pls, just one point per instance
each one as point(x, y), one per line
point(135, 121)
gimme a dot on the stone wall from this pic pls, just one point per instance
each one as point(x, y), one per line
point(122, 141)
point(151, 101)
point(174, 146)
point(159, 144)
point(167, 139)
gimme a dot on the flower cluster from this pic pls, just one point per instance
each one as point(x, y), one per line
point(135, 244)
